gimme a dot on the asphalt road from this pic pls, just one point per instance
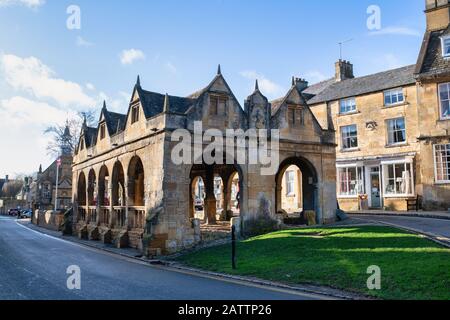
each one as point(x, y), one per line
point(438, 227)
point(33, 267)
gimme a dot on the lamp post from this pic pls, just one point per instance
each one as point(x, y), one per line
point(58, 164)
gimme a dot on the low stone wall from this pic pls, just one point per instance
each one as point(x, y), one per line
point(48, 219)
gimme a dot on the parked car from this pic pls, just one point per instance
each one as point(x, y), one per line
point(26, 214)
point(13, 212)
point(198, 204)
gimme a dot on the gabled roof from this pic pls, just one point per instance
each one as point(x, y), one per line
point(198, 94)
point(317, 88)
point(368, 84)
point(115, 122)
point(153, 103)
point(276, 104)
point(431, 62)
point(90, 136)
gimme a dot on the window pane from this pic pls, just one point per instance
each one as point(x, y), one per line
point(442, 163)
point(349, 137)
point(348, 105)
point(447, 47)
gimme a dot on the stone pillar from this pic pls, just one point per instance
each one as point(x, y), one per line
point(88, 217)
point(210, 201)
point(111, 206)
point(226, 196)
point(97, 202)
point(191, 200)
point(126, 200)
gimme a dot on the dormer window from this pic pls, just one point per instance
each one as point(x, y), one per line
point(218, 106)
point(134, 114)
point(295, 117)
point(446, 47)
point(102, 131)
point(347, 106)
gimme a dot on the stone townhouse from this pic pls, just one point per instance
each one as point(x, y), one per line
point(129, 191)
point(392, 127)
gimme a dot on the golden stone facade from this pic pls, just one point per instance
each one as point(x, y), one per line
point(392, 128)
point(130, 192)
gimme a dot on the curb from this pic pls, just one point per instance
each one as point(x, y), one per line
point(335, 294)
point(92, 246)
point(409, 215)
point(430, 236)
point(324, 292)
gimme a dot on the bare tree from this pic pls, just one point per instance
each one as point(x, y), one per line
point(11, 188)
point(62, 139)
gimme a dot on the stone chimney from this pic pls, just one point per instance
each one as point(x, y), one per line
point(6, 178)
point(300, 83)
point(438, 14)
point(344, 70)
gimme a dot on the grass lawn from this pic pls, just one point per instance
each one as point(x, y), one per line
point(411, 267)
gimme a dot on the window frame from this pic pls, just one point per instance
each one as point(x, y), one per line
point(102, 131)
point(298, 116)
point(290, 183)
point(391, 91)
point(441, 115)
point(353, 110)
point(436, 180)
point(443, 41)
point(135, 114)
point(389, 143)
point(360, 181)
point(386, 178)
point(214, 108)
point(349, 137)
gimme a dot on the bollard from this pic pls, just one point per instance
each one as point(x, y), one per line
point(233, 247)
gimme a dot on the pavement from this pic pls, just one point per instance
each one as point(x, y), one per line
point(436, 229)
point(415, 214)
point(33, 266)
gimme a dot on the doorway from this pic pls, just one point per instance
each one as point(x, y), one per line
point(375, 187)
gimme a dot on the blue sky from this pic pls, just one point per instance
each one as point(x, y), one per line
point(47, 71)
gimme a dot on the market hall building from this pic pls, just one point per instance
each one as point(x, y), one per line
point(128, 190)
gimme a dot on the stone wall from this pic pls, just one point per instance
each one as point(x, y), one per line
point(48, 219)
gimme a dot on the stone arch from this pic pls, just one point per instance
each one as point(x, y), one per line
point(309, 182)
point(81, 190)
point(92, 188)
point(118, 194)
point(103, 187)
point(234, 188)
point(196, 195)
point(136, 186)
point(208, 174)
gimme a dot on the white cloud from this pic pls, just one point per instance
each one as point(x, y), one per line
point(131, 55)
point(90, 86)
point(398, 31)
point(83, 43)
point(22, 111)
point(26, 121)
point(315, 77)
point(266, 85)
point(34, 77)
point(171, 67)
point(27, 3)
